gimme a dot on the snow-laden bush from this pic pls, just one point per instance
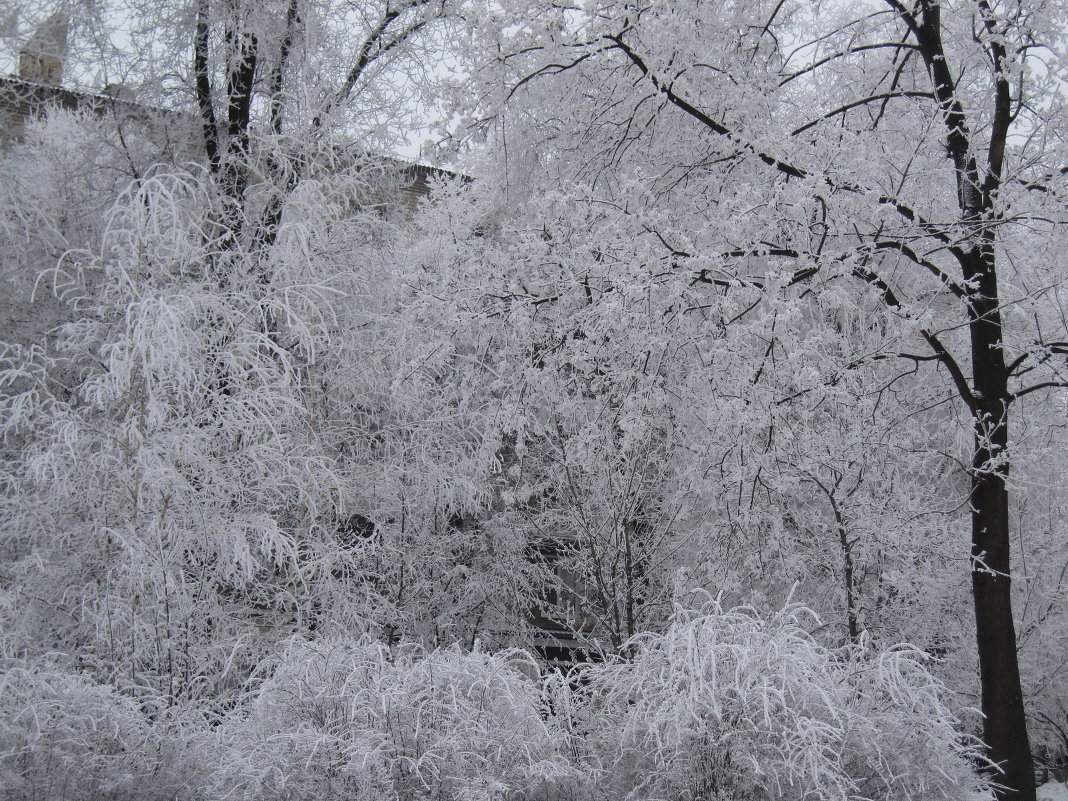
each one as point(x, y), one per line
point(729, 705)
point(64, 736)
point(721, 705)
point(344, 719)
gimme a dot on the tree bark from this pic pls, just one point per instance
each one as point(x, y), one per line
point(1004, 720)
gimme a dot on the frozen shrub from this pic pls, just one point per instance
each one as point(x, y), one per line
point(727, 705)
point(63, 736)
point(346, 719)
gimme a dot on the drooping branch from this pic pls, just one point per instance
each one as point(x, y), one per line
point(703, 276)
point(551, 69)
point(1050, 348)
point(1036, 387)
point(966, 172)
point(708, 122)
point(908, 17)
point(933, 269)
point(960, 381)
point(1042, 184)
point(890, 298)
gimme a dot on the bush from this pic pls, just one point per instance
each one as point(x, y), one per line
point(344, 719)
point(64, 736)
point(721, 705)
point(725, 704)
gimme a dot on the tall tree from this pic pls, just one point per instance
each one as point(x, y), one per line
point(924, 175)
point(251, 475)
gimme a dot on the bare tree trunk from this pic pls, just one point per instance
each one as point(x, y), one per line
point(1004, 721)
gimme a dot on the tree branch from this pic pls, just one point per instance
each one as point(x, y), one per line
point(374, 47)
point(1051, 348)
point(908, 17)
point(841, 54)
point(700, 116)
point(239, 92)
point(1036, 387)
point(855, 103)
point(910, 254)
point(1002, 118)
point(959, 381)
point(781, 166)
point(277, 77)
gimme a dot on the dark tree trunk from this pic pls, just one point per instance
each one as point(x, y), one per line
point(1004, 722)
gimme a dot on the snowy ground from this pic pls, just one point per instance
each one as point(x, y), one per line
point(1053, 791)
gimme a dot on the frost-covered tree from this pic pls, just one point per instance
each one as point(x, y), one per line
point(236, 433)
point(901, 161)
point(655, 450)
